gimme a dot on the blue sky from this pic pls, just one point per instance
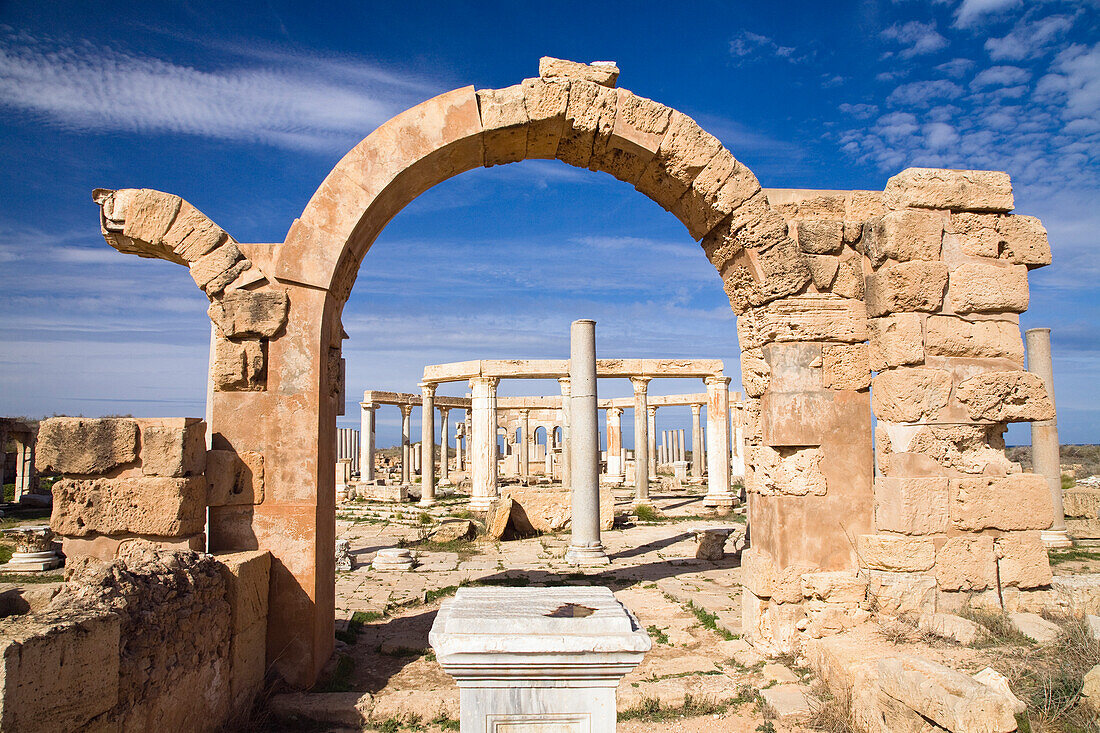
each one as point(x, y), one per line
point(243, 109)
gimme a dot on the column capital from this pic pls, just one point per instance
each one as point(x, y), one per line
point(651, 409)
point(524, 411)
point(406, 410)
point(444, 411)
point(369, 405)
point(641, 384)
point(492, 382)
point(695, 408)
point(616, 411)
point(564, 383)
point(427, 388)
point(717, 380)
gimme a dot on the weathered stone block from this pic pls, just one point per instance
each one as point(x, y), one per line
point(913, 506)
point(1022, 560)
point(899, 554)
point(899, 594)
point(896, 340)
point(845, 366)
point(910, 394)
point(819, 237)
point(809, 317)
point(246, 313)
point(953, 336)
point(968, 449)
point(976, 287)
point(1018, 239)
point(957, 190)
point(823, 270)
point(906, 286)
point(234, 478)
point(107, 548)
point(1015, 502)
point(603, 73)
point(685, 151)
point(1005, 397)
point(239, 366)
point(545, 101)
point(787, 471)
point(966, 563)
point(640, 125)
point(839, 586)
point(903, 236)
point(248, 664)
point(215, 264)
point(765, 579)
point(719, 189)
point(246, 576)
point(58, 670)
point(149, 215)
point(589, 117)
point(167, 507)
point(192, 234)
point(85, 446)
point(174, 447)
point(1080, 501)
point(755, 373)
point(504, 119)
point(950, 699)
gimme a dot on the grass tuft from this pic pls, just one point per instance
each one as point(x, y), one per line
point(709, 621)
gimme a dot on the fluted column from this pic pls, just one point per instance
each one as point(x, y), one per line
point(585, 547)
point(483, 443)
point(406, 448)
point(566, 439)
point(614, 442)
point(427, 444)
point(642, 438)
point(1045, 449)
point(718, 457)
point(696, 443)
point(444, 444)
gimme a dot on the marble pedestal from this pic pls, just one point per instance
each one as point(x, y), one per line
point(537, 659)
point(393, 558)
point(34, 550)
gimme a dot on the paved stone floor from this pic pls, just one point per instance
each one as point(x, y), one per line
point(690, 607)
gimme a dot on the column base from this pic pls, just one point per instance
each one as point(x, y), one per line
point(1055, 538)
point(724, 500)
point(427, 501)
point(587, 556)
point(31, 562)
point(480, 503)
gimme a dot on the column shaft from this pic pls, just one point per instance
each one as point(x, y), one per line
point(444, 444)
point(1045, 448)
point(566, 439)
point(696, 443)
point(483, 443)
point(406, 449)
point(615, 468)
point(525, 444)
point(718, 457)
point(651, 443)
point(642, 439)
point(427, 445)
point(585, 546)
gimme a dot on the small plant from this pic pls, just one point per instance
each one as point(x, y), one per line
point(709, 621)
point(660, 636)
point(425, 518)
point(445, 722)
point(646, 513)
point(831, 713)
point(998, 628)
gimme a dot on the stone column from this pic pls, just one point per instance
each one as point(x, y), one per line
point(566, 439)
point(642, 439)
point(483, 443)
point(366, 441)
point(406, 449)
point(651, 445)
point(718, 457)
point(614, 442)
point(22, 465)
point(418, 452)
point(585, 547)
point(525, 444)
point(427, 444)
point(737, 439)
point(681, 446)
point(444, 445)
point(1045, 449)
point(696, 443)
point(664, 446)
point(460, 434)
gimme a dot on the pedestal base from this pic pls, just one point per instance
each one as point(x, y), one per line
point(394, 558)
point(31, 562)
point(1052, 538)
point(587, 556)
point(720, 501)
point(480, 503)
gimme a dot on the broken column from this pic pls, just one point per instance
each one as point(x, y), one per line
point(1045, 449)
point(585, 547)
point(614, 443)
point(642, 439)
point(718, 457)
point(483, 443)
point(427, 444)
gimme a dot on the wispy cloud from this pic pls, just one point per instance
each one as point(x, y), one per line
point(304, 102)
point(970, 13)
point(916, 38)
point(746, 45)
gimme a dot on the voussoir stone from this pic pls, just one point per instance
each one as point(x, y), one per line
point(1018, 501)
point(504, 120)
point(976, 287)
point(906, 286)
point(85, 446)
point(1013, 396)
point(910, 394)
point(193, 234)
point(957, 190)
point(166, 507)
point(545, 102)
point(604, 73)
point(246, 313)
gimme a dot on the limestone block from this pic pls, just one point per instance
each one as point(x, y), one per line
point(167, 507)
point(250, 314)
point(950, 699)
point(246, 576)
point(896, 340)
point(174, 447)
point(896, 553)
point(1018, 239)
point(953, 336)
point(905, 287)
point(910, 394)
point(685, 151)
point(544, 101)
point(1005, 397)
point(192, 234)
point(903, 236)
point(901, 594)
point(809, 317)
point(149, 215)
point(967, 449)
point(976, 287)
point(916, 506)
point(719, 190)
point(966, 563)
point(1015, 502)
point(755, 373)
point(234, 478)
point(849, 282)
point(823, 269)
point(957, 190)
point(215, 264)
point(58, 670)
point(504, 119)
point(550, 510)
point(248, 664)
point(1077, 594)
point(589, 117)
point(845, 366)
point(819, 237)
point(837, 586)
point(239, 366)
point(1080, 501)
point(1083, 529)
point(787, 471)
point(950, 626)
point(1022, 560)
point(780, 270)
point(763, 577)
point(604, 73)
point(1035, 626)
point(1090, 687)
point(84, 446)
point(640, 125)
point(107, 548)
point(997, 682)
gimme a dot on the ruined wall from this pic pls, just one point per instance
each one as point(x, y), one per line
point(148, 641)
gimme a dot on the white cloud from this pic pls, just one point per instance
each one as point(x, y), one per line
point(956, 67)
point(1029, 38)
point(1079, 69)
point(859, 111)
point(747, 44)
point(971, 12)
point(923, 93)
point(294, 101)
point(916, 37)
point(999, 76)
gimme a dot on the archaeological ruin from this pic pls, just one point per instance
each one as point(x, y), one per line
point(881, 362)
